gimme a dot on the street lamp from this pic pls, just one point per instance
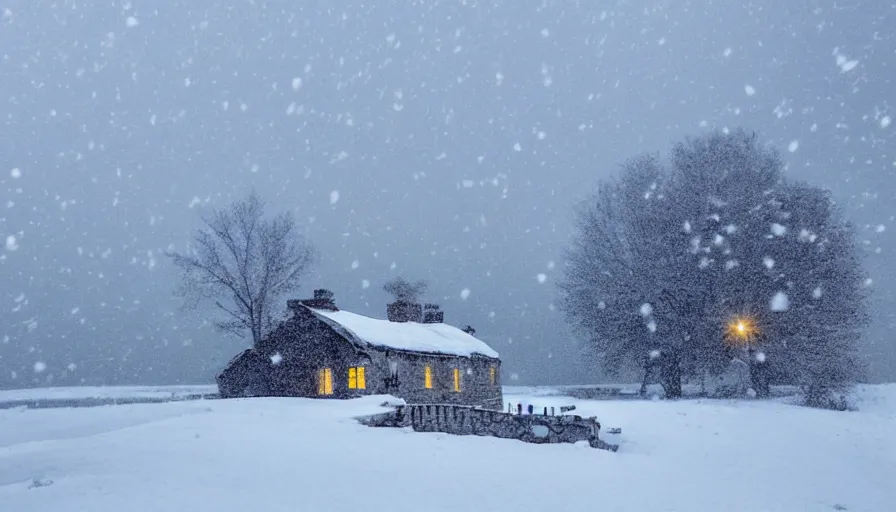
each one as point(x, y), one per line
point(740, 332)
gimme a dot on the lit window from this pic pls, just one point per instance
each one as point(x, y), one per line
point(427, 377)
point(457, 380)
point(493, 375)
point(356, 378)
point(325, 381)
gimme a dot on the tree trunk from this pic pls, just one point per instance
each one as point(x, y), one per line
point(759, 380)
point(648, 365)
point(671, 375)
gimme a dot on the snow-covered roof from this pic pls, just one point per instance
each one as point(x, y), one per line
point(436, 338)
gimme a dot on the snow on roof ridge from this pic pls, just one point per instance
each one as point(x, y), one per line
point(434, 338)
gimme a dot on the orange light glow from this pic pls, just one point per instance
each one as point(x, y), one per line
point(740, 331)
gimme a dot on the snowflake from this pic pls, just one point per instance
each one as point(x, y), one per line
point(780, 302)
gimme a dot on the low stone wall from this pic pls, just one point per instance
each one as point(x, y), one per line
point(465, 420)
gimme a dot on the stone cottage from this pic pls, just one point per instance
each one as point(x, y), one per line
point(321, 351)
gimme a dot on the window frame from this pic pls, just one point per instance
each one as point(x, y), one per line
point(427, 376)
point(325, 382)
point(357, 377)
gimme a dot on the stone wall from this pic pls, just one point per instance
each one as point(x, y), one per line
point(464, 420)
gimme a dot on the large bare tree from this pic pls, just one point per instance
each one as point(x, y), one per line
point(244, 262)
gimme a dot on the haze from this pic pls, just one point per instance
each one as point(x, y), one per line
point(445, 141)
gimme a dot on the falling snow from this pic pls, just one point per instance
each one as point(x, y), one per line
point(780, 302)
point(465, 294)
point(334, 197)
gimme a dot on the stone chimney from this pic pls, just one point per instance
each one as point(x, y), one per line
point(432, 314)
point(404, 311)
point(323, 299)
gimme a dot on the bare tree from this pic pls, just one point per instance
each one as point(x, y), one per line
point(244, 262)
point(404, 290)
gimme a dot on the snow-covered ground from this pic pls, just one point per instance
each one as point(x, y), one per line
point(298, 454)
point(108, 392)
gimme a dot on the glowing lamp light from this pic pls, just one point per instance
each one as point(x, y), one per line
point(740, 331)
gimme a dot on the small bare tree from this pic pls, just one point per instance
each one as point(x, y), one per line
point(244, 263)
point(404, 290)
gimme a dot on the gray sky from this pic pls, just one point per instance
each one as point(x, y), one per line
point(438, 140)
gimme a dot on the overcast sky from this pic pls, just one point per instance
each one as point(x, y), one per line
point(439, 140)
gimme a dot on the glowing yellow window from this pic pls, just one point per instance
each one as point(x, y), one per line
point(356, 378)
point(427, 377)
point(493, 375)
point(457, 379)
point(325, 381)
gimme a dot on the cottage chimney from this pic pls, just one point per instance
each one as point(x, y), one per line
point(404, 311)
point(432, 314)
point(323, 299)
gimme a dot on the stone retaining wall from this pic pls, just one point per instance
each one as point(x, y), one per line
point(465, 420)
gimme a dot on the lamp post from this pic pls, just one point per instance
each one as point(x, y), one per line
point(741, 332)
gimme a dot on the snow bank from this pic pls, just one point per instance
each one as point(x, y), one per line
point(278, 454)
point(111, 392)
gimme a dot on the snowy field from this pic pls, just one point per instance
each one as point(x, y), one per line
point(109, 392)
point(298, 454)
